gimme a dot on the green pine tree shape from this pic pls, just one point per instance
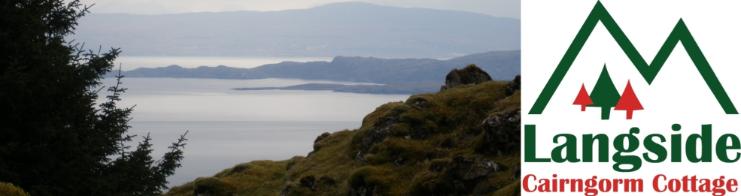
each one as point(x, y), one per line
point(604, 94)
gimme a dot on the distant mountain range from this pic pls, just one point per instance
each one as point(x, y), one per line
point(345, 29)
point(405, 88)
point(398, 76)
point(503, 65)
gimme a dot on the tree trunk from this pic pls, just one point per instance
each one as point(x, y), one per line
point(606, 113)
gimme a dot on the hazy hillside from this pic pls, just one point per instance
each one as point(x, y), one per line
point(347, 29)
point(461, 141)
point(500, 65)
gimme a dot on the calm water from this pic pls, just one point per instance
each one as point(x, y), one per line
point(133, 62)
point(229, 127)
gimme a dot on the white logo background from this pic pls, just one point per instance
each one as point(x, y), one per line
point(678, 94)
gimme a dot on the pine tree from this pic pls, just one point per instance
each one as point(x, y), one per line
point(629, 102)
point(604, 94)
point(55, 137)
point(583, 98)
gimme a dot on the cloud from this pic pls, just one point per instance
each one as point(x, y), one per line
point(504, 8)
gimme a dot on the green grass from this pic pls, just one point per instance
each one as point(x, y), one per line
point(7, 189)
point(257, 178)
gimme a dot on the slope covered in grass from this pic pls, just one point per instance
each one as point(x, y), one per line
point(461, 141)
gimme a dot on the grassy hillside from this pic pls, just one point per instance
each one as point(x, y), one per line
point(7, 189)
point(461, 141)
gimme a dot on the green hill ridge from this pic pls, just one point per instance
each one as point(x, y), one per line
point(463, 140)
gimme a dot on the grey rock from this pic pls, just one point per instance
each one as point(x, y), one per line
point(319, 140)
point(469, 75)
point(514, 86)
point(501, 133)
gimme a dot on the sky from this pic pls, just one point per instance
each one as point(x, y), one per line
point(501, 8)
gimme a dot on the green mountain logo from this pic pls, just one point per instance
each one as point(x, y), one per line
point(604, 94)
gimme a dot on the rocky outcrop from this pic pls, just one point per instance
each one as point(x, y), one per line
point(318, 142)
point(514, 86)
point(378, 129)
point(501, 133)
point(469, 75)
point(462, 175)
point(471, 168)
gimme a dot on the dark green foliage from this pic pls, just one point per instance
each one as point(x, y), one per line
point(56, 140)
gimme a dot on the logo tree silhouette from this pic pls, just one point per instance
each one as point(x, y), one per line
point(629, 102)
point(604, 94)
point(583, 98)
